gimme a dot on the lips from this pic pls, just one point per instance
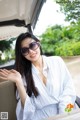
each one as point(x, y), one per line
point(33, 55)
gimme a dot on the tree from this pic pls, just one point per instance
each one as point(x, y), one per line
point(64, 41)
point(71, 9)
point(6, 44)
point(50, 38)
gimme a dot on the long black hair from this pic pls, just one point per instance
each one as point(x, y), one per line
point(23, 65)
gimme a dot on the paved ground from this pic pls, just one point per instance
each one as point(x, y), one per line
point(73, 65)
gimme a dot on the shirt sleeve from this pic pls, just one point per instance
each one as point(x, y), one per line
point(68, 94)
point(19, 110)
point(28, 111)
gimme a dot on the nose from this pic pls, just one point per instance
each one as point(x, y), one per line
point(30, 51)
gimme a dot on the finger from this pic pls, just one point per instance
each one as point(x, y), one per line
point(3, 74)
point(14, 71)
point(4, 71)
point(3, 78)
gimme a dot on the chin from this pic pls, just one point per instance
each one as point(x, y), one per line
point(35, 58)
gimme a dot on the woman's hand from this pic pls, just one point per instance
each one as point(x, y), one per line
point(11, 75)
point(15, 76)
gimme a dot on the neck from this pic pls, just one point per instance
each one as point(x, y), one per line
point(39, 63)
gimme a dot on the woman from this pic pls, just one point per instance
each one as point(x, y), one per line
point(44, 85)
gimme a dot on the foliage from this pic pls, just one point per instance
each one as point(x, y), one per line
point(7, 51)
point(6, 44)
point(8, 55)
point(71, 8)
point(68, 49)
point(60, 40)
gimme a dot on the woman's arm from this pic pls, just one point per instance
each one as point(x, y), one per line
point(68, 94)
point(14, 76)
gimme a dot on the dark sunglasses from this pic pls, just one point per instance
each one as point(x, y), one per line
point(32, 46)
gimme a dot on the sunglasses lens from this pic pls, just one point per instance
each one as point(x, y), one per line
point(24, 50)
point(33, 45)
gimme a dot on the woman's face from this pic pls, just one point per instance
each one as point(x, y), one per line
point(30, 49)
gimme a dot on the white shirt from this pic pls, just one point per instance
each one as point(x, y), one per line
point(53, 97)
